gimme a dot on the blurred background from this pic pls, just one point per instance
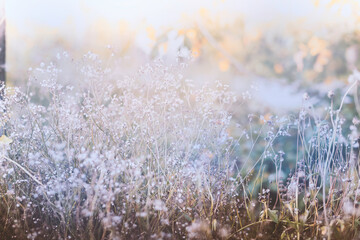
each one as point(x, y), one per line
point(269, 51)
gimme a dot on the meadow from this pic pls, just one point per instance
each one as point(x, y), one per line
point(151, 156)
point(137, 120)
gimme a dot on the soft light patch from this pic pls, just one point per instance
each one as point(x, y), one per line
point(4, 140)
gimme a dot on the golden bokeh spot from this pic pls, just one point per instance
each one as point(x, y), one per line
point(230, 43)
point(195, 52)
point(164, 46)
point(316, 45)
point(181, 31)
point(322, 59)
point(224, 65)
point(191, 34)
point(278, 68)
point(252, 37)
point(329, 80)
point(123, 26)
point(316, 3)
point(266, 118)
point(151, 33)
point(203, 12)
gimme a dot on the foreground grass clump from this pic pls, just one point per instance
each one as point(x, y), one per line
point(153, 157)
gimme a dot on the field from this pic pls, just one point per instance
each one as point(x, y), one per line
point(207, 136)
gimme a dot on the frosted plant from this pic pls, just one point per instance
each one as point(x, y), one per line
point(150, 156)
point(112, 151)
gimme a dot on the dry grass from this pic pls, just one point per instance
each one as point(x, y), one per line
point(152, 157)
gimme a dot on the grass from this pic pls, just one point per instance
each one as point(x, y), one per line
point(153, 157)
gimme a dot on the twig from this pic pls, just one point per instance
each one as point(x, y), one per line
point(22, 168)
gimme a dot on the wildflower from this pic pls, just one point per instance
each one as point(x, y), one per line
point(159, 205)
point(331, 94)
point(224, 232)
point(306, 96)
point(350, 209)
point(356, 121)
point(301, 174)
point(199, 230)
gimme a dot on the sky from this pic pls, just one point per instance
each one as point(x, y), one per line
point(72, 19)
point(163, 13)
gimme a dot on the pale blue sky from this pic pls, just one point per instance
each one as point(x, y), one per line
point(160, 13)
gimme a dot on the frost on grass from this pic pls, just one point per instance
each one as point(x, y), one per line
point(150, 156)
point(118, 156)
